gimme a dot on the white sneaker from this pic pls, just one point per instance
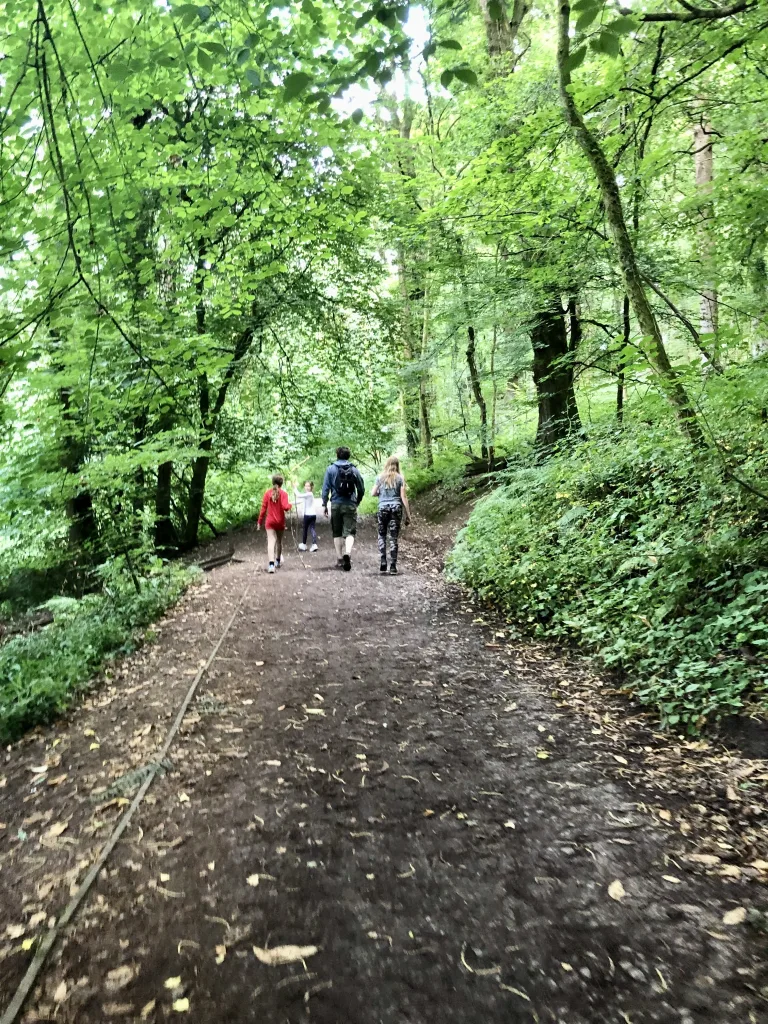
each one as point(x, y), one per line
point(302, 547)
point(313, 548)
point(271, 567)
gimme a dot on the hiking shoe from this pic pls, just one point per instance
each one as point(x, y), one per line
point(313, 548)
point(278, 563)
point(339, 563)
point(383, 566)
point(302, 547)
point(393, 570)
point(346, 563)
point(271, 567)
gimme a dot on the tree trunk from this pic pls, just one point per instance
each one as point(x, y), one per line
point(197, 493)
point(614, 213)
point(425, 425)
point(477, 391)
point(703, 164)
point(409, 393)
point(501, 32)
point(620, 384)
point(553, 377)
point(165, 533)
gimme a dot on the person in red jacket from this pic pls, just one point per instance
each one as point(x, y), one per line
point(274, 505)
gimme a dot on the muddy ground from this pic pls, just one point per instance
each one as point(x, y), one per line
point(457, 825)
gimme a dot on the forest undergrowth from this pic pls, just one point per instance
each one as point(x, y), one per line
point(645, 551)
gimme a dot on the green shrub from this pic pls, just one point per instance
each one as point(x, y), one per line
point(41, 673)
point(642, 551)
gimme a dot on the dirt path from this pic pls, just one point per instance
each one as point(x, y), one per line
point(369, 771)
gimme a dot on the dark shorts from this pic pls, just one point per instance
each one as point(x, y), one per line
point(343, 520)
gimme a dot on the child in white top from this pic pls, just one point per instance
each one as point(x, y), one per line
point(308, 502)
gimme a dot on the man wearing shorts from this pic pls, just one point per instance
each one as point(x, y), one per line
point(344, 485)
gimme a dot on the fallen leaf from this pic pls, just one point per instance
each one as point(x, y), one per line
point(27, 944)
point(15, 931)
point(88, 732)
point(620, 759)
point(148, 1008)
point(253, 880)
point(221, 952)
point(543, 754)
point(59, 828)
point(171, 983)
point(566, 967)
point(509, 824)
point(183, 798)
point(61, 993)
point(119, 978)
point(616, 891)
point(672, 879)
point(211, 865)
point(40, 770)
point(736, 916)
point(258, 664)
point(283, 954)
point(761, 865)
point(428, 813)
point(94, 746)
point(165, 878)
point(709, 859)
point(665, 815)
point(181, 1005)
point(730, 871)
point(118, 1009)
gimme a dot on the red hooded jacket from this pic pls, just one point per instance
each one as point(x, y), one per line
point(274, 510)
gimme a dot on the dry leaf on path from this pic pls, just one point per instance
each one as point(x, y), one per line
point(61, 992)
point(119, 978)
point(620, 759)
point(709, 859)
point(15, 931)
point(172, 983)
point(181, 1005)
point(736, 916)
point(283, 954)
point(221, 953)
point(59, 828)
point(147, 1010)
point(616, 891)
point(253, 880)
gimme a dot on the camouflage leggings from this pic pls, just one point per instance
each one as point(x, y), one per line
point(389, 520)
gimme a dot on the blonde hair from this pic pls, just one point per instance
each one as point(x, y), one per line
point(277, 483)
point(391, 471)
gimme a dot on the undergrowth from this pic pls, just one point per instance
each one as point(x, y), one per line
point(42, 673)
point(643, 552)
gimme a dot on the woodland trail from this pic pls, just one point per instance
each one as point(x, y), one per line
point(369, 770)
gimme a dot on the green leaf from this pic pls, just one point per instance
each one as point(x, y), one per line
point(450, 44)
point(244, 55)
point(204, 59)
point(622, 26)
point(253, 77)
point(606, 43)
point(365, 18)
point(213, 47)
point(466, 75)
point(204, 12)
point(576, 58)
point(119, 72)
point(446, 78)
point(387, 16)
point(296, 83)
point(585, 20)
point(357, 116)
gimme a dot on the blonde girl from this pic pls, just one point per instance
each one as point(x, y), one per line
point(390, 489)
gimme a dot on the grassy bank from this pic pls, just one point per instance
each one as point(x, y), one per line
point(42, 673)
point(650, 556)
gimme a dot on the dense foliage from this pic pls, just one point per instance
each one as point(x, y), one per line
point(487, 235)
point(646, 553)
